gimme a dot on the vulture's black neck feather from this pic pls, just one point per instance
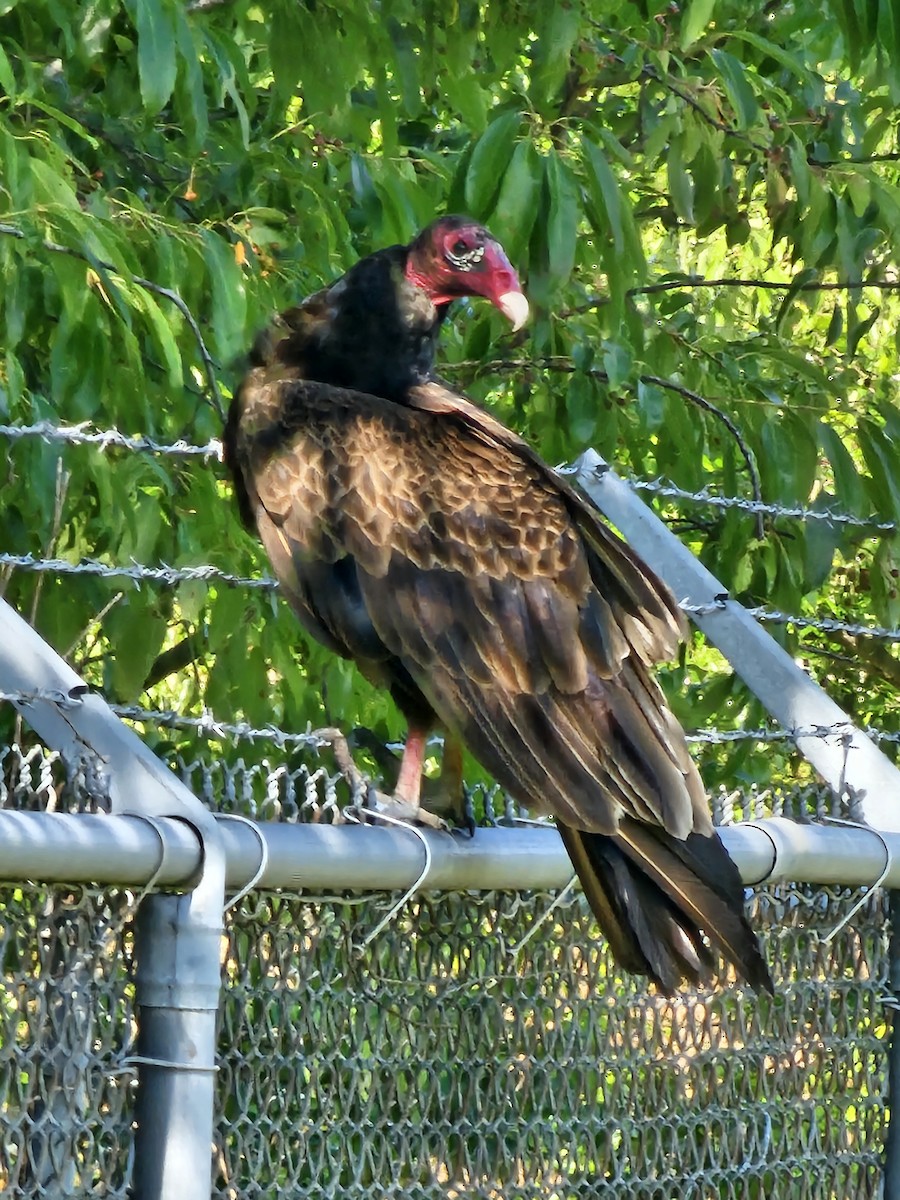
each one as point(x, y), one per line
point(379, 331)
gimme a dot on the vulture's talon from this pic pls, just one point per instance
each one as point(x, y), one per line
point(394, 810)
point(465, 816)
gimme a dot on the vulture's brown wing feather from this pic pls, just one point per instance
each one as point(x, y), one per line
point(430, 543)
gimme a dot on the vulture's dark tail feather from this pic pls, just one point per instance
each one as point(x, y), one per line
point(655, 896)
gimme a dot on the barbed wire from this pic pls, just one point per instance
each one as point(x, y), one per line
point(770, 616)
point(163, 574)
point(206, 724)
point(209, 725)
point(662, 487)
point(169, 576)
point(166, 575)
point(83, 434)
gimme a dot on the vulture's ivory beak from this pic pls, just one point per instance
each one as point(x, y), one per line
point(514, 306)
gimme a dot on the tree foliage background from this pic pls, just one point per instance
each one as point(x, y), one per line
point(703, 200)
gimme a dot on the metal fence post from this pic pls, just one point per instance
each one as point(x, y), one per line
point(177, 944)
point(178, 938)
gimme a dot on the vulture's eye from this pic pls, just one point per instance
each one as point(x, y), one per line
point(464, 256)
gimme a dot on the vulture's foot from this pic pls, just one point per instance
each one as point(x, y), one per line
point(446, 797)
point(395, 808)
point(367, 802)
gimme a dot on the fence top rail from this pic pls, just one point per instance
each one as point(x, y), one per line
point(163, 851)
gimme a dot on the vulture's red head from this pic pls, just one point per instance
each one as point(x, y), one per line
point(455, 257)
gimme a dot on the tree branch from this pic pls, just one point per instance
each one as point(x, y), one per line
point(670, 85)
point(769, 285)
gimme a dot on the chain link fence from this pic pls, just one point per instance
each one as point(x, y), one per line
point(477, 1045)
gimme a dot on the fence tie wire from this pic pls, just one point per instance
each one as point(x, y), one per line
point(559, 899)
point(126, 1065)
point(888, 863)
point(410, 891)
point(263, 858)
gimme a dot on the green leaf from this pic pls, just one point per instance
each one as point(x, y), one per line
point(490, 158)
point(287, 43)
point(193, 595)
point(740, 93)
point(155, 23)
point(652, 401)
point(698, 16)
point(772, 49)
point(617, 363)
point(467, 94)
point(850, 495)
point(835, 325)
point(516, 208)
point(558, 27)
point(884, 579)
point(788, 461)
point(189, 85)
point(605, 190)
point(136, 636)
point(52, 188)
point(681, 185)
point(165, 339)
point(582, 407)
point(229, 309)
point(7, 76)
point(859, 331)
point(848, 19)
point(798, 283)
point(64, 119)
point(562, 219)
point(881, 456)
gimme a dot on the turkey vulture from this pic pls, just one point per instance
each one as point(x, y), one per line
point(415, 534)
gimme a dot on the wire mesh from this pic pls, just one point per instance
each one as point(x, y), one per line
point(66, 1018)
point(465, 1050)
point(442, 1062)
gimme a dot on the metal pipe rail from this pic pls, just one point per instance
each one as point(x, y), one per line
point(133, 851)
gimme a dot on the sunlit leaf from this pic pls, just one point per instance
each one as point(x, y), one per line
point(699, 14)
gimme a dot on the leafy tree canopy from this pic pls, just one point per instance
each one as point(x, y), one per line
point(702, 198)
